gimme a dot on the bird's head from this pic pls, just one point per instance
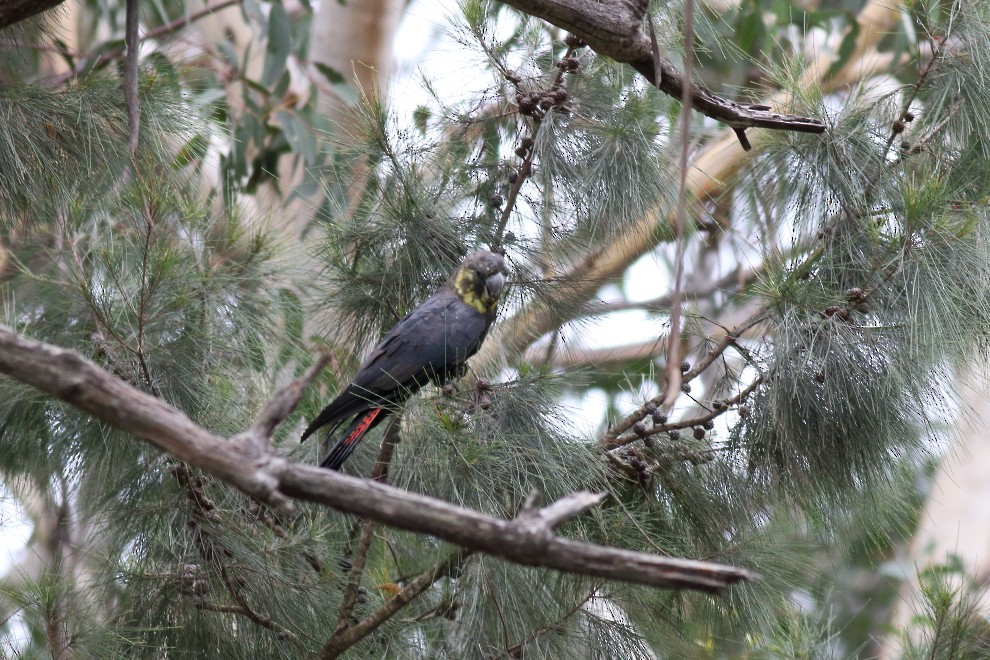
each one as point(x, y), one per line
point(480, 279)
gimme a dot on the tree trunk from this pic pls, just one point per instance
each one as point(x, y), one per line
point(956, 519)
point(360, 48)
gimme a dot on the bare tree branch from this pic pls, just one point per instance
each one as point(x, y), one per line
point(110, 55)
point(735, 279)
point(15, 11)
point(600, 358)
point(348, 637)
point(672, 383)
point(614, 29)
point(285, 400)
point(729, 339)
point(556, 514)
point(380, 474)
point(133, 42)
point(614, 441)
point(251, 467)
point(712, 168)
point(508, 539)
point(247, 612)
point(79, 382)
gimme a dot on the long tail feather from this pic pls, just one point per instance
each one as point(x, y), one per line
point(343, 447)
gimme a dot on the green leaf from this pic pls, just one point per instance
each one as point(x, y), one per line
point(279, 44)
point(252, 11)
point(421, 115)
point(847, 46)
point(66, 53)
point(751, 31)
point(238, 152)
point(283, 85)
point(256, 87)
point(110, 46)
point(229, 54)
point(191, 151)
point(338, 83)
point(331, 74)
point(298, 136)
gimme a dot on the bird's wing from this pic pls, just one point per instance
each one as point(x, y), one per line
point(431, 342)
point(440, 333)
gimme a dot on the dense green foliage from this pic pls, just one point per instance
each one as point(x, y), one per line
point(866, 255)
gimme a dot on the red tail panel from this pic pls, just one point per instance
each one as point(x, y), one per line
point(363, 426)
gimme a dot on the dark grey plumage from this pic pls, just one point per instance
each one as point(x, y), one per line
point(432, 343)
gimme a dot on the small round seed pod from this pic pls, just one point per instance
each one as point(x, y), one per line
point(573, 42)
point(855, 294)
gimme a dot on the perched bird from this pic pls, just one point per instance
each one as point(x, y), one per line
point(432, 343)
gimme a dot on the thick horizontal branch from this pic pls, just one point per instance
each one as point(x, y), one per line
point(250, 466)
point(79, 382)
point(599, 358)
point(516, 540)
point(15, 11)
point(732, 281)
point(614, 29)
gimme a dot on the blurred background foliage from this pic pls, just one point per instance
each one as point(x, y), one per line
point(287, 198)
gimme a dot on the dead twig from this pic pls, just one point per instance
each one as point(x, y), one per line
point(256, 471)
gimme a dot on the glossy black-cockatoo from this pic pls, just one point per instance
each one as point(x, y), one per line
point(431, 344)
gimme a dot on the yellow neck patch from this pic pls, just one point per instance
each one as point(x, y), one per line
point(465, 283)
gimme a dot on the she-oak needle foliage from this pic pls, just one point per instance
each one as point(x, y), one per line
point(864, 281)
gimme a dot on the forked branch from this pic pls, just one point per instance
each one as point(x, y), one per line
point(248, 463)
point(615, 29)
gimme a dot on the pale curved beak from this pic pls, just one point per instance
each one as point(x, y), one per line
point(494, 285)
